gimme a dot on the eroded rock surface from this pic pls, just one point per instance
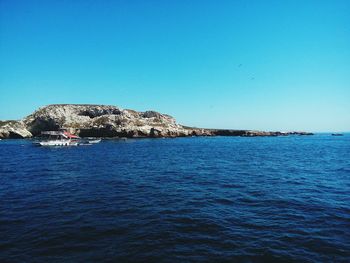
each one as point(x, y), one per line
point(14, 130)
point(103, 121)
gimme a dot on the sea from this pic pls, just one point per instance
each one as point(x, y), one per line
point(201, 199)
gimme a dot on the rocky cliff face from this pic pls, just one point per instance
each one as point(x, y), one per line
point(94, 121)
point(107, 121)
point(14, 130)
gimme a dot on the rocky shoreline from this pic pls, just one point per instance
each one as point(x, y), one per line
point(111, 122)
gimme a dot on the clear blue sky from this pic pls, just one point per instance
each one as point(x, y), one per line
point(268, 65)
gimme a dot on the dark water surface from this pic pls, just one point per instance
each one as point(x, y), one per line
point(177, 200)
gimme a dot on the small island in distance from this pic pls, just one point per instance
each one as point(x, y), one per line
point(106, 121)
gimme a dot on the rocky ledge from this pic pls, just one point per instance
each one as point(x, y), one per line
point(111, 121)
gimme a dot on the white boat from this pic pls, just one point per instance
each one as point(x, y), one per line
point(58, 138)
point(59, 143)
point(94, 141)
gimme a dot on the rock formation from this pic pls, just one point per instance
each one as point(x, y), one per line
point(109, 121)
point(14, 130)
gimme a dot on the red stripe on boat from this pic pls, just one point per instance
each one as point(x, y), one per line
point(69, 135)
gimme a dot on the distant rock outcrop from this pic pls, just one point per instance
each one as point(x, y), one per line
point(109, 121)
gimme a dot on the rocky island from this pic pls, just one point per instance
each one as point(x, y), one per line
point(111, 121)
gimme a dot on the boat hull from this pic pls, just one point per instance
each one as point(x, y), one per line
point(58, 143)
point(94, 141)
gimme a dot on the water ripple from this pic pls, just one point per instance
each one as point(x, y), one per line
point(178, 200)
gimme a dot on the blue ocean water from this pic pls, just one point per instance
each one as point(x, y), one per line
point(258, 199)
